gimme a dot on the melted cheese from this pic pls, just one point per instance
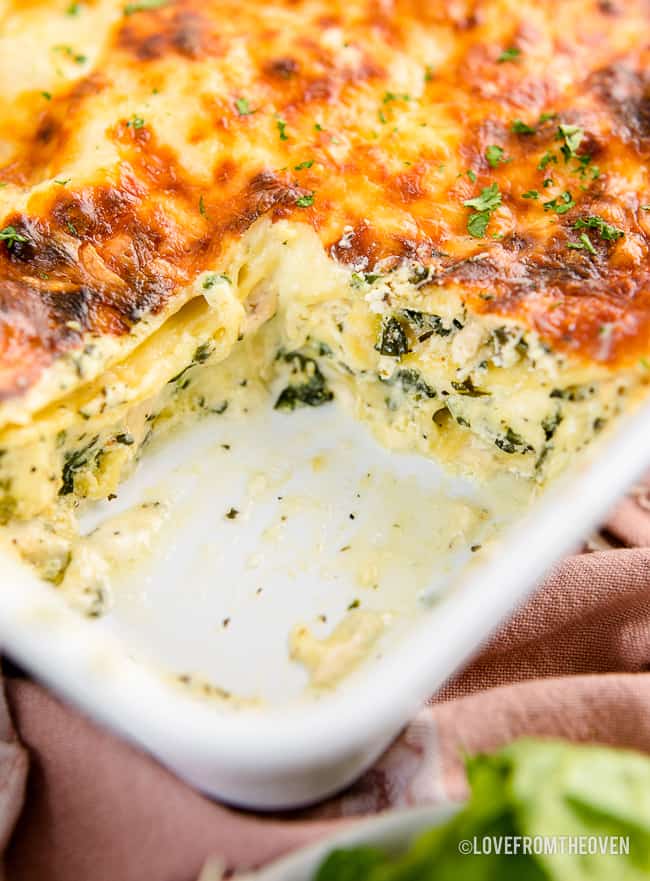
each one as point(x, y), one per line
point(287, 184)
point(332, 658)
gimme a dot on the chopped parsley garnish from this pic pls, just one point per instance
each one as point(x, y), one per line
point(243, 107)
point(10, 235)
point(584, 244)
point(202, 210)
point(530, 194)
point(282, 125)
point(305, 201)
point(73, 9)
point(62, 181)
point(77, 57)
point(484, 205)
point(572, 136)
point(521, 128)
point(381, 116)
point(510, 54)
point(584, 166)
point(136, 122)
point(489, 199)
point(143, 6)
point(494, 155)
point(47, 95)
point(606, 231)
point(545, 117)
point(471, 175)
point(428, 73)
point(391, 96)
point(546, 160)
point(306, 164)
point(477, 224)
point(560, 205)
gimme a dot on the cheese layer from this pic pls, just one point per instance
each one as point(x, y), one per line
point(139, 141)
point(440, 212)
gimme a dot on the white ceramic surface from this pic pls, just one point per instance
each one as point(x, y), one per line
point(170, 612)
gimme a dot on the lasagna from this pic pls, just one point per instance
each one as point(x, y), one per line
point(439, 212)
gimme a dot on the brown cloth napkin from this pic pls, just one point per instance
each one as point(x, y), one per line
point(570, 663)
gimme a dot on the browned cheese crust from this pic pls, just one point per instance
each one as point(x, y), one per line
point(129, 165)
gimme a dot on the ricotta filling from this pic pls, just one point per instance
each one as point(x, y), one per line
point(479, 393)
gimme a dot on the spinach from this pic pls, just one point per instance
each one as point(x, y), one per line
point(73, 462)
point(426, 324)
point(550, 424)
point(411, 382)
point(200, 356)
point(392, 338)
point(467, 387)
point(310, 391)
point(511, 442)
point(574, 393)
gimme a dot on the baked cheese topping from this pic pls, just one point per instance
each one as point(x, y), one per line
point(440, 212)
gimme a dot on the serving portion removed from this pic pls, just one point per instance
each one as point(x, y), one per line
point(438, 215)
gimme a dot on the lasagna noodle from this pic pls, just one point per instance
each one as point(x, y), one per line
point(436, 212)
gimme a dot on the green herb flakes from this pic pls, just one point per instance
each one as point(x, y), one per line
point(518, 127)
point(282, 129)
point(572, 136)
point(477, 224)
point(305, 201)
point(489, 199)
point(10, 235)
point(584, 244)
point(494, 155)
point(607, 231)
point(510, 54)
point(243, 107)
point(143, 6)
point(560, 205)
point(546, 160)
point(484, 205)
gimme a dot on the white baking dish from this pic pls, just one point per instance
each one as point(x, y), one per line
point(173, 610)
